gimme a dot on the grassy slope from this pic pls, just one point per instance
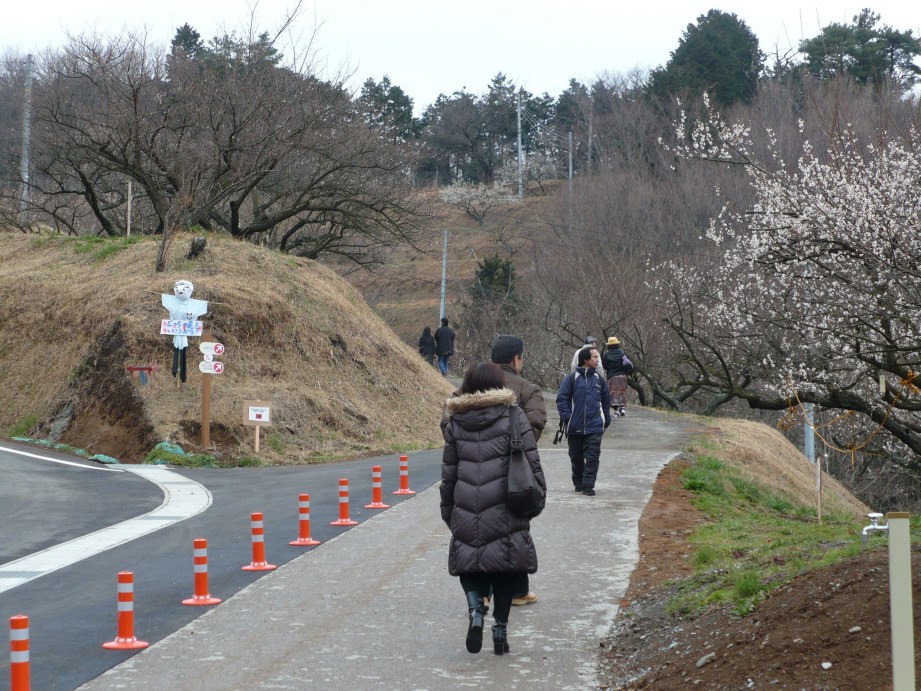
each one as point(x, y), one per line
point(75, 313)
point(758, 495)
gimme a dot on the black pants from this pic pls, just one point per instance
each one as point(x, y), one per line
point(504, 586)
point(179, 363)
point(584, 455)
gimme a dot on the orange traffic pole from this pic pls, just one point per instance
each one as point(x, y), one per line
point(125, 640)
point(19, 653)
point(344, 505)
point(200, 567)
point(377, 499)
point(303, 512)
point(259, 563)
point(404, 476)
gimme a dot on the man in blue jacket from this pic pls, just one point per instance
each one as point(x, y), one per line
point(584, 404)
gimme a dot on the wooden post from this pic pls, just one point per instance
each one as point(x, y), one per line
point(205, 403)
point(257, 438)
point(205, 410)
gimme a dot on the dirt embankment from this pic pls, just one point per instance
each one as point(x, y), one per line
point(827, 629)
point(75, 315)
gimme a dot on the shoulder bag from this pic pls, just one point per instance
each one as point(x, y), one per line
point(525, 496)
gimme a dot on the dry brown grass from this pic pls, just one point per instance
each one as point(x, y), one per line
point(766, 457)
point(341, 383)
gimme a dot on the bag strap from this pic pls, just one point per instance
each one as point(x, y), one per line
point(515, 442)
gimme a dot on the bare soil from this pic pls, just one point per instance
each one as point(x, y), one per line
point(837, 615)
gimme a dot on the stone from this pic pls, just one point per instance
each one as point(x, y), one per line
point(706, 660)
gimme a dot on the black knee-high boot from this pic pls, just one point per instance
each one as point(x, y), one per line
point(475, 630)
point(502, 605)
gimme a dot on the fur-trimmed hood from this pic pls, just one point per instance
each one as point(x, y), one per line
point(480, 399)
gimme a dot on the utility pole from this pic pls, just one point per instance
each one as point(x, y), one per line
point(591, 112)
point(570, 165)
point(26, 137)
point(808, 434)
point(520, 153)
point(444, 274)
point(128, 226)
point(569, 198)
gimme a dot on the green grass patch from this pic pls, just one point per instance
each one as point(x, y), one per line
point(164, 456)
point(102, 248)
point(276, 444)
point(22, 428)
point(754, 541)
point(248, 462)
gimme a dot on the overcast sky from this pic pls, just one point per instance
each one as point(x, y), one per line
point(428, 47)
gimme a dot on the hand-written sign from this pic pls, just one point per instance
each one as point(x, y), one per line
point(180, 327)
point(257, 413)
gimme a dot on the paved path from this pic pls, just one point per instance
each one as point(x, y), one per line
point(375, 607)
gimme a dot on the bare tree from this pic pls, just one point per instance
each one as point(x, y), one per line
point(230, 141)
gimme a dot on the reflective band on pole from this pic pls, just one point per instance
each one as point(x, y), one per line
point(200, 569)
point(344, 505)
point(259, 563)
point(303, 513)
point(19, 653)
point(377, 499)
point(404, 476)
point(125, 640)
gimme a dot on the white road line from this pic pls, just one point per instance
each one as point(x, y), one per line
point(182, 499)
point(59, 460)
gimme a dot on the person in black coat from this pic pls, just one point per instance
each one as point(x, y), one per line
point(444, 345)
point(490, 546)
point(427, 346)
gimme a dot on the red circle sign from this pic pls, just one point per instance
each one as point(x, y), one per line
point(218, 367)
point(218, 348)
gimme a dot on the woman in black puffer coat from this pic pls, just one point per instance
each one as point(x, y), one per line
point(491, 546)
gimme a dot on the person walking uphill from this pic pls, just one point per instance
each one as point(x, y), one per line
point(617, 367)
point(490, 545)
point(584, 405)
point(427, 346)
point(444, 345)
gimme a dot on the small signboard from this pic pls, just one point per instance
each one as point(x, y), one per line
point(211, 348)
point(180, 327)
point(214, 367)
point(257, 413)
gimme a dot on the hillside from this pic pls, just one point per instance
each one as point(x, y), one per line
point(77, 312)
point(406, 289)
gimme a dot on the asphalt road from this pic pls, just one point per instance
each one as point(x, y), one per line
point(73, 610)
point(376, 609)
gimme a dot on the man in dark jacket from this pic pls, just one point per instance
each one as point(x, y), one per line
point(508, 352)
point(584, 405)
point(444, 345)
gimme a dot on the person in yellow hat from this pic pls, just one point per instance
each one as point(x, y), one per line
point(617, 367)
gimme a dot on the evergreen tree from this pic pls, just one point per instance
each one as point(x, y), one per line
point(387, 107)
point(719, 55)
point(868, 53)
point(188, 40)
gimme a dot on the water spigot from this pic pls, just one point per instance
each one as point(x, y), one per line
point(872, 528)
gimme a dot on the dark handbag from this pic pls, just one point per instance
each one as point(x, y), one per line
point(525, 496)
